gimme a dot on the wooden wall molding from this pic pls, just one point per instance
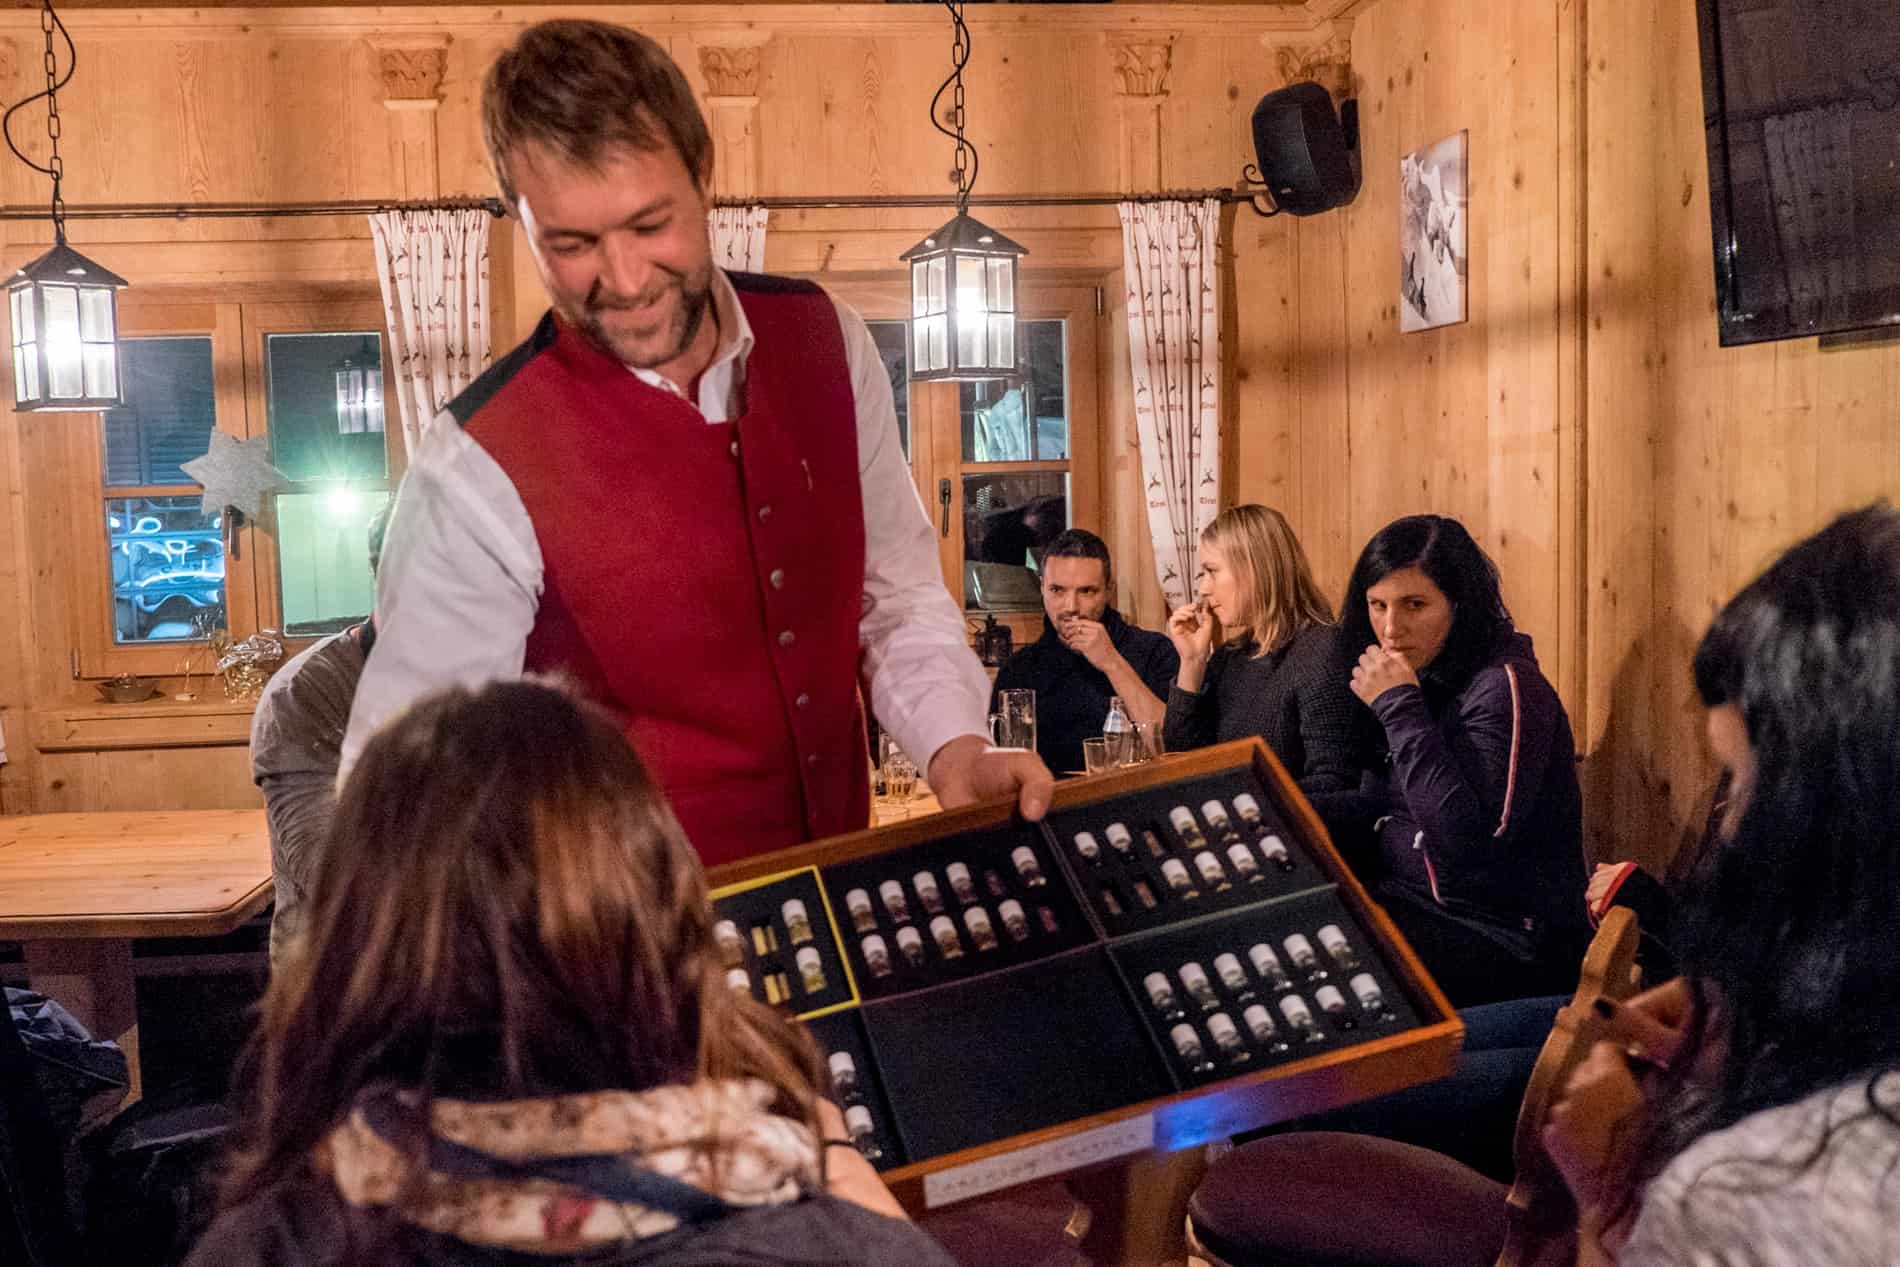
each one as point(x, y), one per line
point(412, 72)
point(1328, 64)
point(1141, 63)
point(730, 70)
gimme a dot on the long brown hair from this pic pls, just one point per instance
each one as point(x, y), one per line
point(1277, 592)
point(508, 909)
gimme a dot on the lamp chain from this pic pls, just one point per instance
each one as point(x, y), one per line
point(55, 165)
point(963, 167)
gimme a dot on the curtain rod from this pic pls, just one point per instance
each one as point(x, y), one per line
point(495, 207)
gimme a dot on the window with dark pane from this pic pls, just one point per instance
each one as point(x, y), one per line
point(167, 568)
point(893, 345)
point(324, 559)
point(170, 408)
point(1009, 519)
point(326, 406)
point(1023, 419)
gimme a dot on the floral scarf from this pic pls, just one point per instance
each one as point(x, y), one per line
point(563, 1174)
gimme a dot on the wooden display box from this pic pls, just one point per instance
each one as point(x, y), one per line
point(1026, 1041)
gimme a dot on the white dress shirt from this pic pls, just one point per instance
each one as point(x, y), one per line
point(461, 572)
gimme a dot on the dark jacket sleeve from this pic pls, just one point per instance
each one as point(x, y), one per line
point(1193, 716)
point(1328, 717)
point(1471, 787)
point(1159, 666)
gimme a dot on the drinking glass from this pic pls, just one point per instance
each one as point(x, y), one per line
point(900, 776)
point(1094, 755)
point(1017, 727)
point(1142, 743)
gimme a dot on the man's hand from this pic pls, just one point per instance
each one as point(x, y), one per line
point(967, 770)
point(1089, 639)
point(1378, 671)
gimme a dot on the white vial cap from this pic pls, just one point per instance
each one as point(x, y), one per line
point(1213, 811)
point(908, 937)
point(793, 911)
point(842, 1065)
point(1185, 1039)
point(857, 1120)
point(1367, 989)
point(1010, 909)
point(1191, 973)
point(738, 980)
point(1172, 868)
point(1209, 866)
point(957, 873)
point(1264, 960)
point(874, 946)
point(924, 882)
point(891, 889)
point(1245, 803)
point(1157, 983)
point(1329, 998)
point(977, 918)
point(807, 957)
point(942, 927)
point(1242, 858)
point(1118, 836)
point(1330, 937)
point(1294, 1008)
point(1086, 846)
point(1183, 819)
point(1228, 966)
point(1221, 1026)
point(857, 900)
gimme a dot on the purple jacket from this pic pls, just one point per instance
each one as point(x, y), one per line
point(1485, 820)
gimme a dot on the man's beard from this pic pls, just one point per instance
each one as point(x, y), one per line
point(664, 345)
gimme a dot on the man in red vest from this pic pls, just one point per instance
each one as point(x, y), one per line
point(685, 491)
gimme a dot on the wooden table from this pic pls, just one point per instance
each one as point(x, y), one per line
point(75, 889)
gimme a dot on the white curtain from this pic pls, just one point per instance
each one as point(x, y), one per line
point(738, 237)
point(1171, 255)
point(434, 271)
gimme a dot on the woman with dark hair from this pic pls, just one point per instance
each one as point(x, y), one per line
point(507, 1029)
point(1764, 1084)
point(1479, 825)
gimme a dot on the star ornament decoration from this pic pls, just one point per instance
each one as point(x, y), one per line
point(235, 473)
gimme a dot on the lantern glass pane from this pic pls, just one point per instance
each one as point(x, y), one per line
point(937, 356)
point(970, 301)
point(95, 314)
point(22, 315)
point(64, 380)
point(373, 400)
point(101, 371)
point(919, 287)
point(1002, 285)
point(1003, 341)
point(22, 359)
point(937, 289)
point(970, 341)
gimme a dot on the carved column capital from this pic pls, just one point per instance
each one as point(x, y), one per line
point(730, 70)
point(412, 72)
point(1141, 63)
point(1329, 64)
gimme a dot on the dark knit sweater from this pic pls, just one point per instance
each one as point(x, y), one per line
point(1072, 695)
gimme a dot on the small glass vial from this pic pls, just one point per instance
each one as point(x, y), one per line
point(1259, 1023)
point(1213, 875)
point(877, 955)
point(857, 1120)
point(1300, 1017)
point(1177, 877)
point(929, 896)
point(1338, 948)
point(863, 917)
point(1027, 867)
point(1244, 865)
point(1227, 1039)
point(1217, 821)
point(1333, 1003)
point(731, 943)
point(811, 969)
point(1015, 923)
point(1145, 894)
point(993, 881)
point(1300, 952)
point(1120, 840)
point(910, 944)
point(1155, 848)
point(893, 894)
point(1110, 901)
point(1048, 917)
point(961, 885)
point(1233, 976)
point(1085, 845)
point(944, 933)
point(1267, 966)
point(1371, 997)
point(1249, 811)
point(844, 1076)
point(1188, 1043)
point(738, 980)
point(797, 923)
point(1276, 851)
point(982, 932)
point(1194, 978)
point(1186, 828)
point(1161, 994)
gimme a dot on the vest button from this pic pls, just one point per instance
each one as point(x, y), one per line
point(735, 448)
point(786, 638)
point(812, 759)
point(765, 512)
point(777, 578)
point(803, 700)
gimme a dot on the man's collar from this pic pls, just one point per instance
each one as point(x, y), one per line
point(735, 339)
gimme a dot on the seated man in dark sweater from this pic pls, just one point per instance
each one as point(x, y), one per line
point(1087, 655)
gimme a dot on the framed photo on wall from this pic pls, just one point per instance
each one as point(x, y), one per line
point(1433, 191)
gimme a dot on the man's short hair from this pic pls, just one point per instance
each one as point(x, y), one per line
point(1080, 543)
point(581, 89)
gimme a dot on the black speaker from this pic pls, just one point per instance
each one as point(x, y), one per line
point(1309, 156)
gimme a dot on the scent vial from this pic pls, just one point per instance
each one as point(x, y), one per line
point(1233, 976)
point(1155, 848)
point(844, 1076)
point(1300, 1017)
point(764, 939)
point(982, 932)
point(1338, 948)
point(1120, 840)
point(1186, 828)
point(1333, 1003)
point(944, 933)
point(1188, 1043)
point(1371, 997)
point(1221, 1028)
point(811, 970)
point(1177, 877)
point(1217, 821)
point(993, 880)
point(1267, 966)
point(1194, 978)
point(960, 883)
point(863, 918)
point(1015, 923)
point(877, 955)
point(1110, 902)
point(910, 944)
point(731, 944)
point(1244, 865)
point(1260, 1024)
point(1249, 811)
point(893, 894)
point(1300, 951)
point(1213, 875)
point(1048, 917)
point(1145, 894)
point(928, 894)
point(738, 980)
point(1086, 846)
point(1161, 994)
point(1027, 867)
point(797, 922)
point(857, 1120)
point(1276, 851)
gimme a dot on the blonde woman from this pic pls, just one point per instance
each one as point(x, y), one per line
point(1259, 655)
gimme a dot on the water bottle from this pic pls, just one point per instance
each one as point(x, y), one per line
point(1118, 731)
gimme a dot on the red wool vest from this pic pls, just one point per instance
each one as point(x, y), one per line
point(704, 581)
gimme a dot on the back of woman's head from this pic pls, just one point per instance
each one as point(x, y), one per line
point(1790, 920)
point(506, 908)
point(1445, 552)
point(1276, 583)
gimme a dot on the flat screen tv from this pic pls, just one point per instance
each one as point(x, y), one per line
point(1803, 111)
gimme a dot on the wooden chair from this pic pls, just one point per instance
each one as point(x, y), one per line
point(1403, 1204)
